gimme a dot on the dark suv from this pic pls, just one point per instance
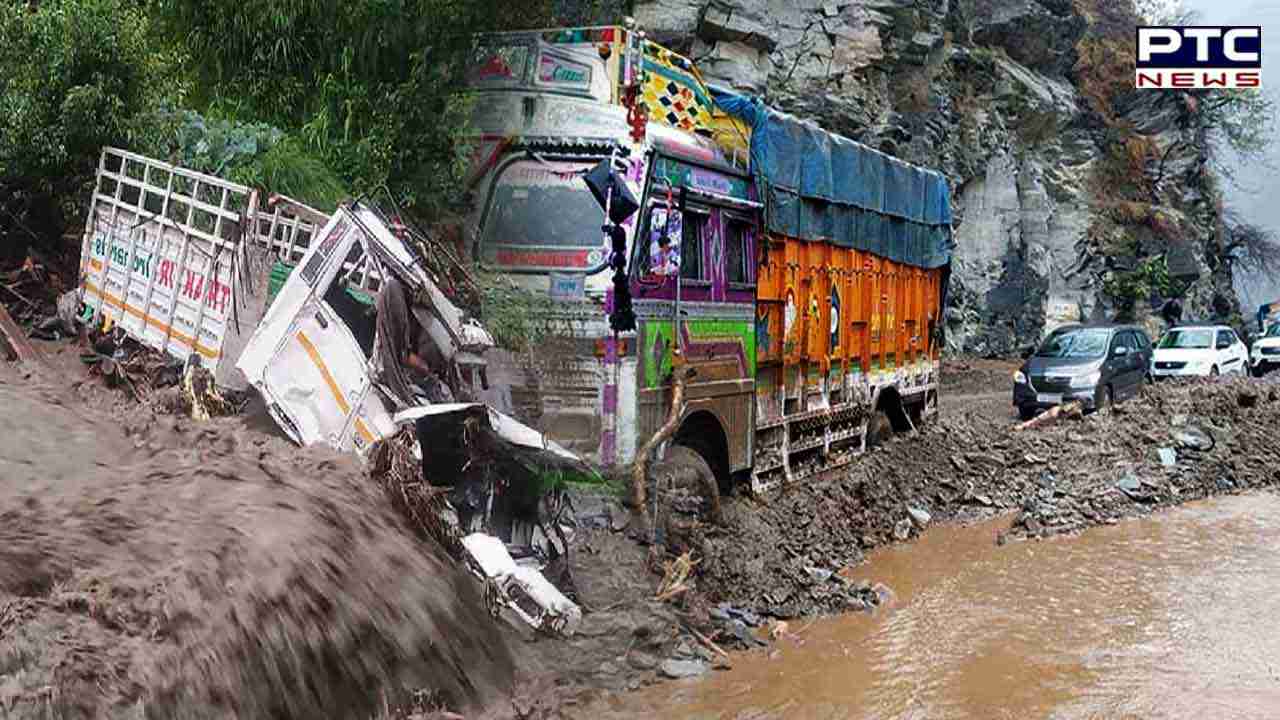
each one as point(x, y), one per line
point(1096, 364)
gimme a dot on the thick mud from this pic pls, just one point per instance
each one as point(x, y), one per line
point(155, 567)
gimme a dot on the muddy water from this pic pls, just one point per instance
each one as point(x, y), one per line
point(1176, 616)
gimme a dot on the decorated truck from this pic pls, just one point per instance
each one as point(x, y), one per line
point(796, 275)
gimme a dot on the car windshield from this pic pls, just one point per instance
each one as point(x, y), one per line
point(1274, 331)
point(1187, 340)
point(1079, 343)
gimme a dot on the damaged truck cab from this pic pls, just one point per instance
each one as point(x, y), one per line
point(799, 275)
point(313, 357)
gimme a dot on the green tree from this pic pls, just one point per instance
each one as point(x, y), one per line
point(371, 86)
point(74, 75)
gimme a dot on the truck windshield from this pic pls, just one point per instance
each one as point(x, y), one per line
point(542, 205)
point(1079, 343)
point(1186, 339)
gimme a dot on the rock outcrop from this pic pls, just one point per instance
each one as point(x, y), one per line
point(1035, 136)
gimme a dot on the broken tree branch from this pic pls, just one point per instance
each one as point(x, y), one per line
point(16, 343)
point(640, 471)
point(1074, 408)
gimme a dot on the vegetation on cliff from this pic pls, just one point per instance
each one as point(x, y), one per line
point(1159, 178)
point(317, 98)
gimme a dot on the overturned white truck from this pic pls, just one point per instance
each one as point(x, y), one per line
point(188, 264)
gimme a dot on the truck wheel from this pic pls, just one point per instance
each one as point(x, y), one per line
point(879, 429)
point(690, 470)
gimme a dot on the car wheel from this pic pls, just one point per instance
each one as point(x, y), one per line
point(1027, 413)
point(1213, 371)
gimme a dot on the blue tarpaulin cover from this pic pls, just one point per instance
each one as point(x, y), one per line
point(820, 186)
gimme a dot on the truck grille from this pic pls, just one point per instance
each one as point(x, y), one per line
point(1167, 365)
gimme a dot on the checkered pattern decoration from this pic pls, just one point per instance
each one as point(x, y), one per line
point(673, 91)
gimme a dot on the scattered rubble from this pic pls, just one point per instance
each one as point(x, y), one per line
point(1060, 477)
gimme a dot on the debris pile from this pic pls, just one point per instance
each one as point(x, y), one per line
point(1175, 443)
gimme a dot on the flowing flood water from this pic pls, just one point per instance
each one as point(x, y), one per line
point(1175, 616)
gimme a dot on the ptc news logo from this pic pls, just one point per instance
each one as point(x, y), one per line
point(1199, 57)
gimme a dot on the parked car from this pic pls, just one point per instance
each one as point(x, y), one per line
point(1266, 351)
point(1095, 364)
point(1200, 350)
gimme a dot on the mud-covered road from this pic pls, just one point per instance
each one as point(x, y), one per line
point(150, 562)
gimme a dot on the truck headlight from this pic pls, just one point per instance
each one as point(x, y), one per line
point(1019, 378)
point(1086, 381)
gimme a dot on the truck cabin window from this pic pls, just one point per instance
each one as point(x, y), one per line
point(737, 235)
point(543, 205)
point(693, 234)
point(674, 241)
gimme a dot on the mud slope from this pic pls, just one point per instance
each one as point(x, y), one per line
point(195, 571)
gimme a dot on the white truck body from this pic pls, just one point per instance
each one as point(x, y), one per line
point(181, 260)
point(165, 258)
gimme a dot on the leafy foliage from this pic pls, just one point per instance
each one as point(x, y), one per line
point(254, 154)
point(370, 87)
point(1126, 289)
point(74, 75)
point(515, 317)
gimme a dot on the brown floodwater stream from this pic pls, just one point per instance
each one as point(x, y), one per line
point(1174, 616)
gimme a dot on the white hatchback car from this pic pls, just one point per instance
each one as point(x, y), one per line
point(1198, 350)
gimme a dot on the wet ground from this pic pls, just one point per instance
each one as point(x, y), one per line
point(1172, 616)
point(130, 537)
point(154, 566)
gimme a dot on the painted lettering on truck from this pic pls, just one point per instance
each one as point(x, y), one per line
point(193, 286)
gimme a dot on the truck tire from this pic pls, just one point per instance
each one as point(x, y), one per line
point(879, 429)
point(691, 470)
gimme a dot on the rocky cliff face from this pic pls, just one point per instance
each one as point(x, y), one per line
point(1076, 198)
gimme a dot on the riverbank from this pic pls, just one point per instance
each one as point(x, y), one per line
point(1167, 616)
point(799, 552)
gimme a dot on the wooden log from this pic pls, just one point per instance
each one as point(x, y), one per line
point(17, 346)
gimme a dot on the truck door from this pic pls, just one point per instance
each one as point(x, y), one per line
point(305, 358)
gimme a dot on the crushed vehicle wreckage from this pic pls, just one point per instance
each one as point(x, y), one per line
point(356, 344)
